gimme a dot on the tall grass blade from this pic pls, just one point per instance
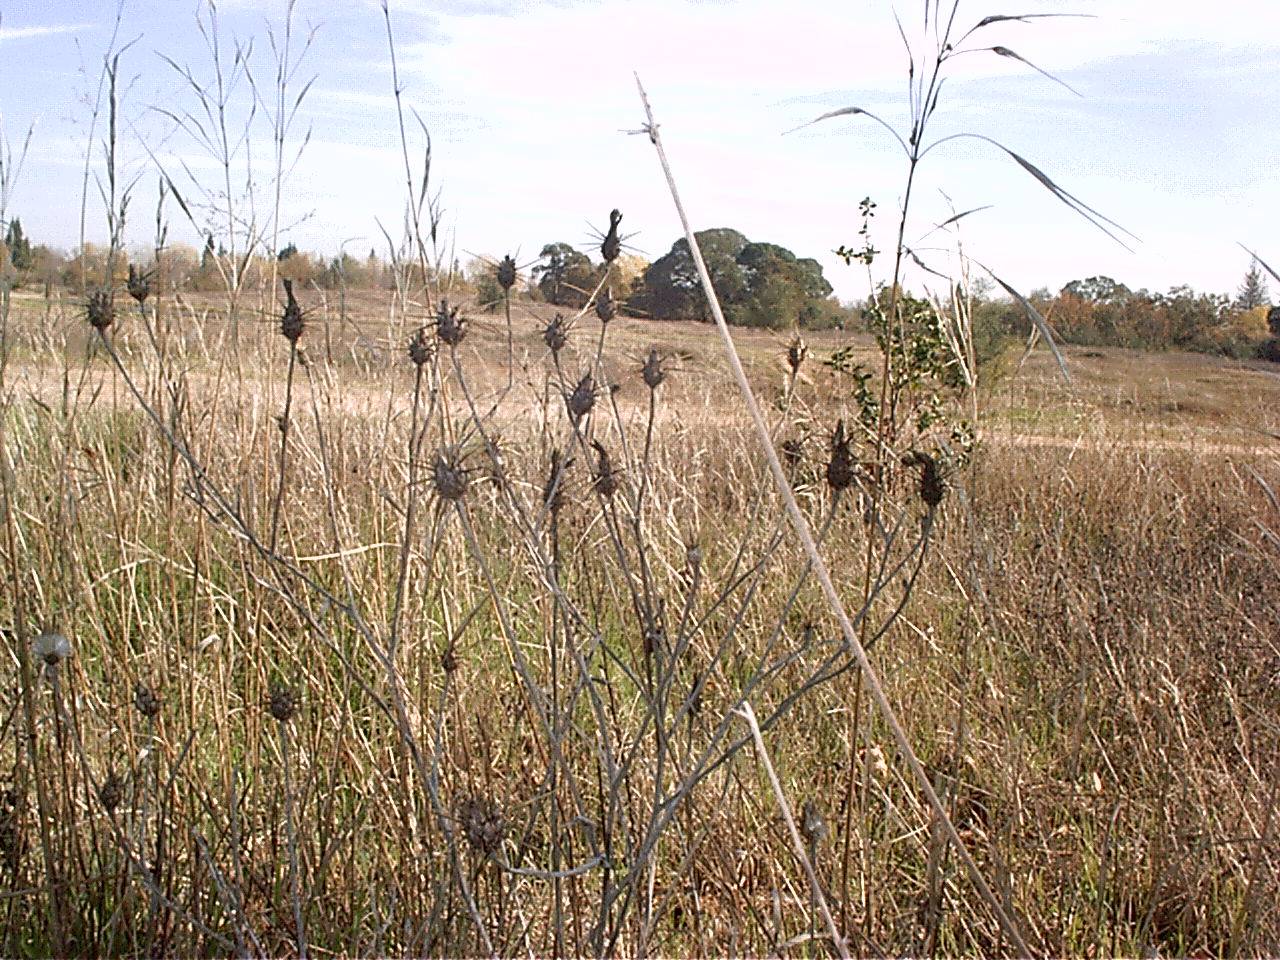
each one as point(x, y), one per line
point(1012, 55)
point(1041, 324)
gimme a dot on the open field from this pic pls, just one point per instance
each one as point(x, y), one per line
point(420, 674)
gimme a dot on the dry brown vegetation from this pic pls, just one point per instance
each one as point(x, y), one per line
point(1088, 664)
point(378, 626)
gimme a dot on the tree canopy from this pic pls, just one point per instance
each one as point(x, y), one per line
point(567, 276)
point(758, 284)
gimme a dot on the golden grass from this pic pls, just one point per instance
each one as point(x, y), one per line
point(1088, 664)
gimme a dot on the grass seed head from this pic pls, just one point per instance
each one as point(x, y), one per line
point(100, 310)
point(450, 326)
point(507, 273)
point(292, 321)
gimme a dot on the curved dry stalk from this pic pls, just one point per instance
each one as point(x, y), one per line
point(803, 533)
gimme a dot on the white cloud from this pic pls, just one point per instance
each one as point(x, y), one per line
point(27, 33)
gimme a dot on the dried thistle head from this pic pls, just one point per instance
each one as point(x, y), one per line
point(842, 468)
point(611, 246)
point(606, 306)
point(932, 484)
point(653, 370)
point(483, 824)
point(292, 322)
point(145, 700)
point(138, 284)
point(796, 354)
point(448, 475)
point(420, 348)
point(812, 826)
point(51, 648)
point(553, 489)
point(282, 701)
point(605, 476)
point(111, 792)
point(582, 398)
point(450, 326)
point(506, 273)
point(556, 334)
point(100, 310)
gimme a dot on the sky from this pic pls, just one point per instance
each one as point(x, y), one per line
point(1168, 128)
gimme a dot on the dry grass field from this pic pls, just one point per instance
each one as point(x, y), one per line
point(371, 656)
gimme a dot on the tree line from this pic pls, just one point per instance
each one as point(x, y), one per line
point(759, 284)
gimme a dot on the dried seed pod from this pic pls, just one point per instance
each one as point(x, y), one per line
point(448, 475)
point(796, 354)
point(139, 284)
point(506, 273)
point(582, 398)
point(932, 484)
point(450, 327)
point(292, 322)
point(145, 700)
point(483, 825)
point(282, 702)
point(111, 792)
point(842, 468)
point(653, 372)
point(605, 479)
point(606, 306)
point(611, 246)
point(420, 348)
point(100, 310)
point(812, 826)
point(556, 334)
point(51, 648)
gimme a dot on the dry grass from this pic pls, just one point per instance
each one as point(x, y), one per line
point(1088, 664)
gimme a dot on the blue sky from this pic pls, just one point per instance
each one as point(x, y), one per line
point(1173, 136)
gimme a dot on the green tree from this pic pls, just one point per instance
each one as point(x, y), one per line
point(781, 289)
point(18, 244)
point(670, 288)
point(568, 276)
point(758, 284)
point(1253, 290)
